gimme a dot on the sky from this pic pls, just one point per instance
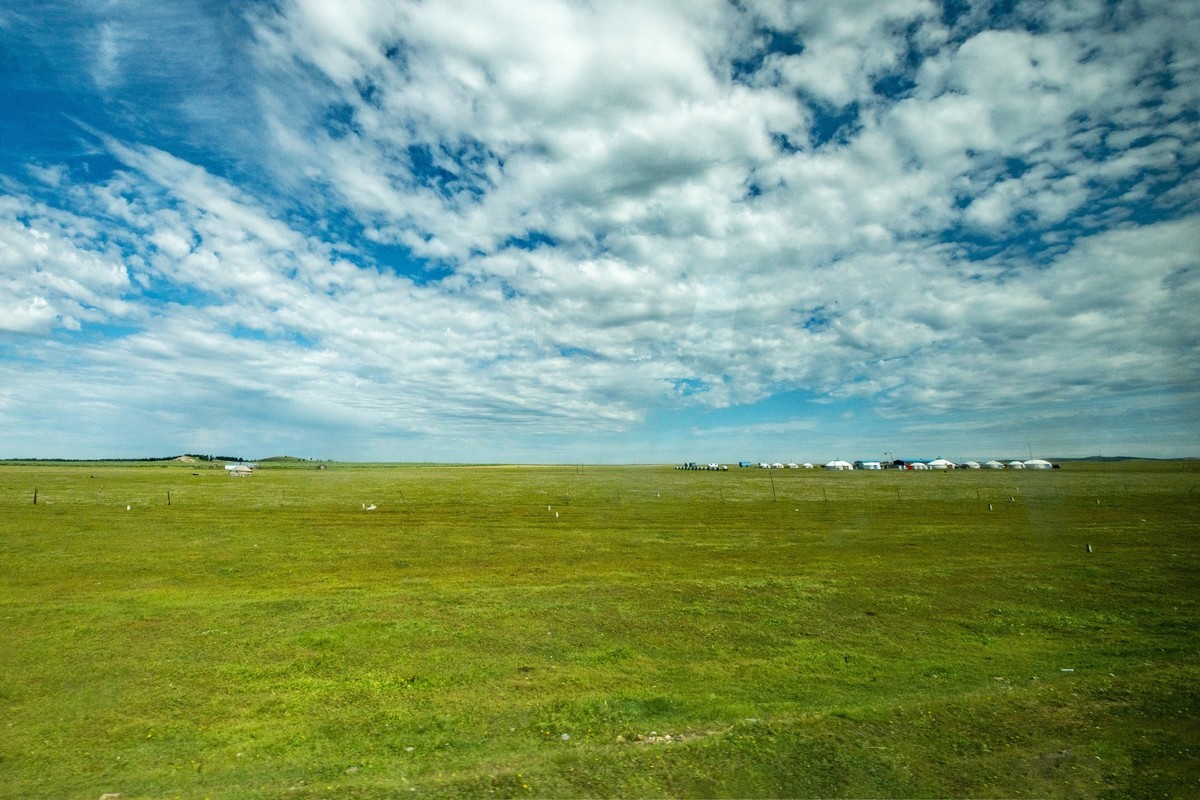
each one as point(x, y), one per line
point(630, 231)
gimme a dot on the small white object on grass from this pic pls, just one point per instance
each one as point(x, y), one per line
point(128, 508)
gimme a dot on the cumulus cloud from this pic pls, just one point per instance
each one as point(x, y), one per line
point(50, 274)
point(561, 217)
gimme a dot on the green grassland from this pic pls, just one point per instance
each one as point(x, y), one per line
point(169, 631)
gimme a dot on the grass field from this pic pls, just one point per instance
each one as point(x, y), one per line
point(598, 632)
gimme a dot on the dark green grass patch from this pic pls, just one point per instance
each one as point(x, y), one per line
point(636, 631)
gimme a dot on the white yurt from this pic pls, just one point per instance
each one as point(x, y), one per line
point(871, 465)
point(970, 464)
point(992, 465)
point(839, 464)
point(918, 465)
point(941, 463)
point(1016, 465)
point(1038, 463)
point(806, 465)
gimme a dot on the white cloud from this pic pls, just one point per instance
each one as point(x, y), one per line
point(48, 278)
point(623, 223)
point(106, 70)
point(846, 46)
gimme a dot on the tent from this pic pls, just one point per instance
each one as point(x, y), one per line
point(1038, 463)
point(1016, 465)
point(806, 465)
point(868, 465)
point(918, 465)
point(941, 463)
point(970, 464)
point(839, 464)
point(993, 465)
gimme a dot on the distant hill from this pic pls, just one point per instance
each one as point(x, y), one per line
point(186, 458)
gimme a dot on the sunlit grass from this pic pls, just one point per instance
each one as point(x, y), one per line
point(566, 631)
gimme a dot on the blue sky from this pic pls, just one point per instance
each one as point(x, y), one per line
point(557, 231)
